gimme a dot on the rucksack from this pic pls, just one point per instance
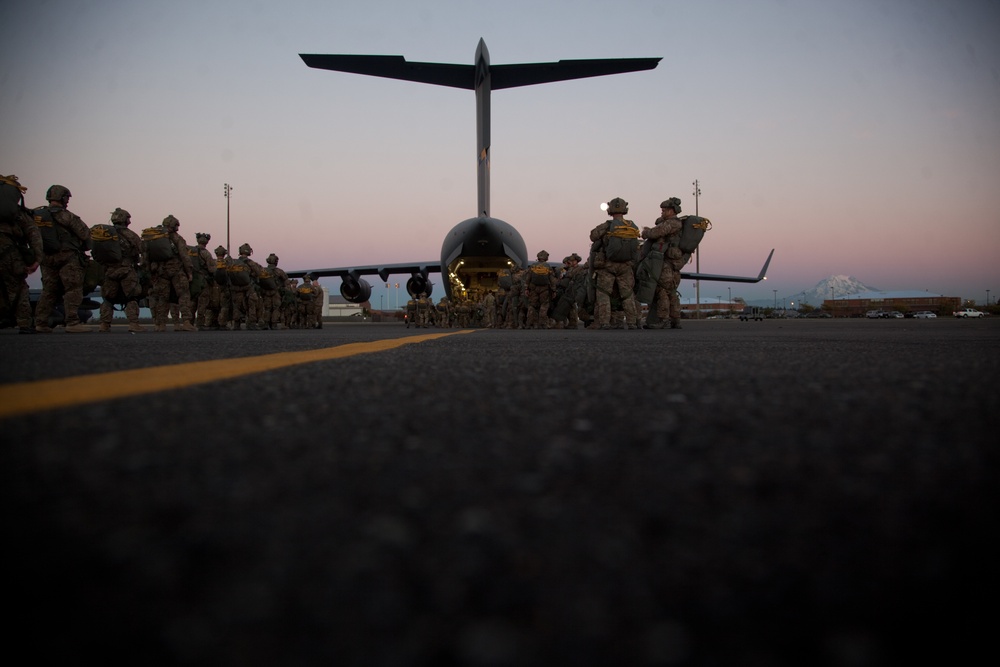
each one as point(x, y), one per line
point(621, 242)
point(52, 233)
point(156, 245)
point(11, 200)
point(105, 244)
point(239, 273)
point(221, 274)
point(267, 280)
point(540, 275)
point(692, 231)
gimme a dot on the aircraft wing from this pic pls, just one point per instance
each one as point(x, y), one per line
point(730, 279)
point(383, 271)
point(529, 74)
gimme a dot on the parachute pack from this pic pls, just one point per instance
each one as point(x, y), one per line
point(105, 244)
point(239, 273)
point(540, 274)
point(156, 244)
point(11, 199)
point(692, 232)
point(621, 242)
point(306, 293)
point(267, 280)
point(52, 233)
point(221, 273)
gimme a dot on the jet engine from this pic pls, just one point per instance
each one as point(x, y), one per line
point(354, 289)
point(417, 284)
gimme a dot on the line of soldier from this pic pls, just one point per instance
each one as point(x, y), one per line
point(159, 266)
point(605, 291)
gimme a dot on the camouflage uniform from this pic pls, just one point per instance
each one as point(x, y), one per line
point(489, 310)
point(423, 310)
point(121, 281)
point(271, 298)
point(290, 304)
point(174, 273)
point(20, 255)
point(204, 277)
point(246, 303)
point(317, 306)
point(612, 274)
point(666, 234)
point(63, 271)
point(540, 284)
point(307, 297)
point(220, 302)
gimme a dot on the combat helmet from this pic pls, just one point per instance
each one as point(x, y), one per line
point(272, 259)
point(673, 202)
point(617, 205)
point(543, 256)
point(203, 235)
point(57, 192)
point(170, 222)
point(221, 251)
point(245, 249)
point(121, 217)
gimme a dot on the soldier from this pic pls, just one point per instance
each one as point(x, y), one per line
point(272, 289)
point(444, 313)
point(539, 287)
point(121, 280)
point(307, 296)
point(220, 302)
point(203, 266)
point(290, 305)
point(565, 311)
point(63, 266)
point(665, 237)
point(21, 253)
point(489, 310)
point(243, 276)
point(170, 265)
point(614, 253)
point(423, 311)
point(317, 305)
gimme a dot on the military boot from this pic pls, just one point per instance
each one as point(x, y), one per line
point(41, 328)
point(135, 327)
point(675, 323)
point(187, 326)
point(105, 327)
point(159, 328)
point(79, 327)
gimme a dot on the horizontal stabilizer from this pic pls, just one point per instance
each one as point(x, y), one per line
point(529, 74)
point(396, 67)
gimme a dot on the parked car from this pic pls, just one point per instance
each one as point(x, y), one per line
point(924, 315)
point(752, 313)
point(969, 312)
point(895, 314)
point(875, 314)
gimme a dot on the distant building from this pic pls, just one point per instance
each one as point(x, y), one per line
point(856, 305)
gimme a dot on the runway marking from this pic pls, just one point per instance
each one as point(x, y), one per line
point(28, 397)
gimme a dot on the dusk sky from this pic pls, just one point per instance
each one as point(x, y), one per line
point(857, 137)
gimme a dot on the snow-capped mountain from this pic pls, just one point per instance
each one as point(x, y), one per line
point(831, 288)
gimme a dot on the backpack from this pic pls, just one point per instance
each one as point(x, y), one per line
point(105, 244)
point(239, 273)
point(156, 245)
point(11, 200)
point(692, 231)
point(540, 274)
point(267, 280)
point(621, 242)
point(306, 293)
point(221, 274)
point(52, 233)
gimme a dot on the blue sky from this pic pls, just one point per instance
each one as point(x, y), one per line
point(856, 137)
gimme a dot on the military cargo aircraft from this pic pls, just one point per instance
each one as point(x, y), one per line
point(476, 250)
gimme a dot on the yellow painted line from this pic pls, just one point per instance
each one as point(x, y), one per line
point(27, 397)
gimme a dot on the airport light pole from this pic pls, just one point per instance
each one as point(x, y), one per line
point(227, 190)
point(730, 302)
point(775, 299)
point(697, 257)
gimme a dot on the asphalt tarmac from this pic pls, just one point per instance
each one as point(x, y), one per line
point(818, 492)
